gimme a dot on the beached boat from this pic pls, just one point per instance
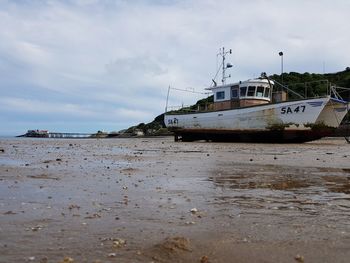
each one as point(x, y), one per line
point(253, 111)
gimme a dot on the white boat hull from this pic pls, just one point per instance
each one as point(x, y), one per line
point(292, 119)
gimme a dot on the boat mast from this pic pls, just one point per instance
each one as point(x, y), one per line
point(224, 67)
point(167, 99)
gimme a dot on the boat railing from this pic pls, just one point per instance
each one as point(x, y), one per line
point(340, 93)
point(186, 108)
point(313, 89)
point(295, 91)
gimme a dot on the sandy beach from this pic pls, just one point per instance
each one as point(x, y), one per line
point(154, 200)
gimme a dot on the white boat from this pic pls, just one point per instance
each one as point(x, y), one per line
point(252, 111)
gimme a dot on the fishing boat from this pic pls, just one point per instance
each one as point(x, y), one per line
point(255, 111)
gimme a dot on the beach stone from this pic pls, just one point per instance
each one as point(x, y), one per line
point(194, 210)
point(118, 242)
point(67, 260)
point(299, 258)
point(204, 259)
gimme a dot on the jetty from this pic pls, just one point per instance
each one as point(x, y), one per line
point(69, 135)
point(47, 134)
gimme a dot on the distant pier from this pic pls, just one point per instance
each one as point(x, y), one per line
point(69, 135)
point(47, 134)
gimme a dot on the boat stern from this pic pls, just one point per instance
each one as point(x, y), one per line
point(333, 113)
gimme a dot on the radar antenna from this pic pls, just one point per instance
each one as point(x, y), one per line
point(223, 54)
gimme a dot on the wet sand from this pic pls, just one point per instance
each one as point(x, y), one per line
point(153, 200)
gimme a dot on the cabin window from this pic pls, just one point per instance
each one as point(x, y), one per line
point(267, 92)
point(234, 93)
point(243, 91)
point(259, 91)
point(220, 95)
point(251, 91)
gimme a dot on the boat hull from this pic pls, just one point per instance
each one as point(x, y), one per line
point(293, 121)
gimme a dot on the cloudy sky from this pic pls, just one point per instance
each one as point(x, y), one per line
point(88, 65)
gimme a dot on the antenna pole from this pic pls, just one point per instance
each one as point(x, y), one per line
point(167, 98)
point(223, 66)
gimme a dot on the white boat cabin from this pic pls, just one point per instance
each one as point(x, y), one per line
point(242, 94)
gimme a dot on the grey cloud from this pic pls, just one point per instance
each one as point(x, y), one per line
point(136, 66)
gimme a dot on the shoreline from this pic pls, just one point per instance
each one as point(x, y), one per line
point(150, 199)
